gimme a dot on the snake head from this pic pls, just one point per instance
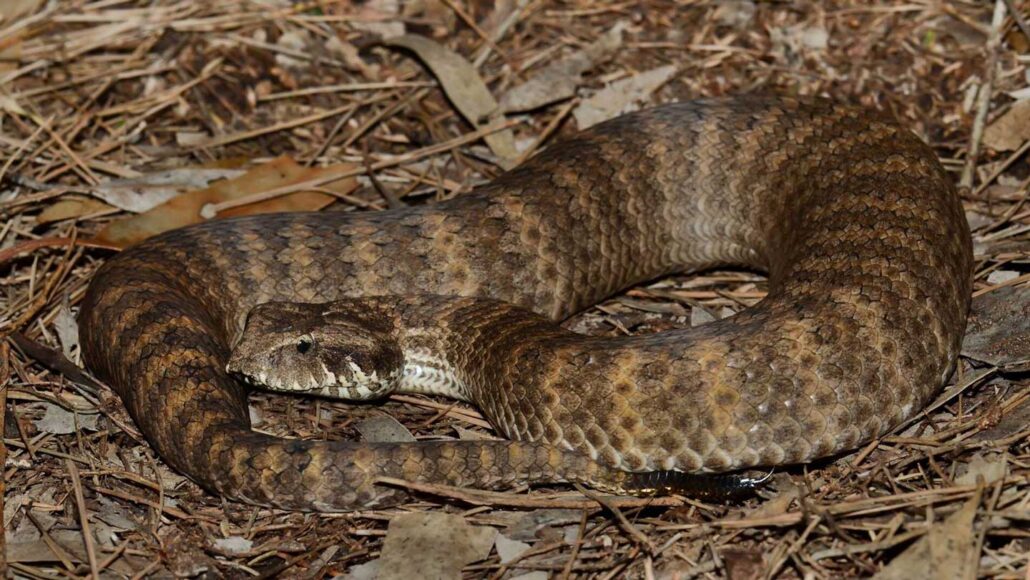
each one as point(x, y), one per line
point(346, 351)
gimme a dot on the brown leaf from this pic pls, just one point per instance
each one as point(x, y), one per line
point(186, 208)
point(560, 79)
point(1009, 131)
point(743, 564)
point(139, 194)
point(71, 207)
point(946, 552)
point(998, 331)
point(432, 545)
point(465, 88)
point(1012, 422)
point(383, 429)
point(621, 96)
point(992, 468)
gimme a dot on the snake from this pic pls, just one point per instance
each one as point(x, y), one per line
point(858, 227)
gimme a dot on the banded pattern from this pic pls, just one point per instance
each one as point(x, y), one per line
point(862, 234)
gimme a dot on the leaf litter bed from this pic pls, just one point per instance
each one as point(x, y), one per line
point(122, 119)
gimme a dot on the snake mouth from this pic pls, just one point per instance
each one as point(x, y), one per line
point(351, 382)
point(277, 382)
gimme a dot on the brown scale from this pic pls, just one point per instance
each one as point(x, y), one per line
point(860, 229)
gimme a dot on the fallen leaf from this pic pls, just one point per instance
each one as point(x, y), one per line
point(1000, 276)
point(366, 571)
point(743, 564)
point(70, 207)
point(946, 552)
point(384, 429)
point(67, 329)
point(815, 38)
point(466, 89)
point(32, 552)
point(700, 316)
point(1012, 422)
point(526, 526)
point(59, 421)
point(735, 13)
point(139, 194)
point(779, 503)
point(186, 209)
point(621, 96)
point(379, 17)
point(115, 514)
point(978, 220)
point(509, 549)
point(256, 416)
point(998, 331)
point(560, 79)
point(992, 468)
point(233, 546)
point(473, 435)
point(432, 545)
point(1009, 131)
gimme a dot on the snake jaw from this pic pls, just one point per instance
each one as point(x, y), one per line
point(295, 347)
point(277, 372)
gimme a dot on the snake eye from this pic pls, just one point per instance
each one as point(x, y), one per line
point(304, 345)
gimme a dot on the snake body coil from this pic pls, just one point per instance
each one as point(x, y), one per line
point(862, 234)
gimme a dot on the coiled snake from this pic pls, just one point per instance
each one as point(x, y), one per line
point(860, 230)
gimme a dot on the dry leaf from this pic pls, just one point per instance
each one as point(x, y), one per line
point(1009, 131)
point(233, 546)
point(815, 38)
point(560, 79)
point(366, 571)
point(465, 88)
point(526, 526)
point(186, 209)
point(139, 194)
point(1012, 422)
point(58, 421)
point(71, 207)
point(473, 435)
point(67, 329)
point(379, 17)
point(621, 96)
point(992, 468)
point(294, 40)
point(36, 551)
point(742, 564)
point(700, 316)
point(1000, 276)
point(384, 429)
point(779, 503)
point(509, 549)
point(998, 331)
point(735, 13)
point(432, 545)
point(946, 552)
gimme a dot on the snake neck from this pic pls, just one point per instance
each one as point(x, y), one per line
point(427, 371)
point(458, 348)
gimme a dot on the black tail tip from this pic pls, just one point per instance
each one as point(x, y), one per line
point(702, 486)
